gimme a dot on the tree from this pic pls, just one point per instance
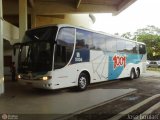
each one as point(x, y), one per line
point(150, 29)
point(152, 43)
point(127, 35)
point(150, 35)
point(116, 33)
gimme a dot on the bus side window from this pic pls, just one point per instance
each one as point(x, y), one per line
point(64, 47)
point(135, 48)
point(111, 44)
point(121, 45)
point(131, 47)
point(99, 41)
point(83, 39)
point(142, 49)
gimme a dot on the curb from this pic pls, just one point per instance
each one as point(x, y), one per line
point(131, 109)
point(150, 110)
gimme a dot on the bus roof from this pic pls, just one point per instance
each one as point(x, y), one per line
point(83, 28)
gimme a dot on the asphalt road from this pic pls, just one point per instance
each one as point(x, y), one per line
point(147, 85)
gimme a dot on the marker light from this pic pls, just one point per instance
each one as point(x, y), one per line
point(45, 78)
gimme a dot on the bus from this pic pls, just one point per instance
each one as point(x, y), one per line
point(61, 56)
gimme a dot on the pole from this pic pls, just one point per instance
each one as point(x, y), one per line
point(1, 51)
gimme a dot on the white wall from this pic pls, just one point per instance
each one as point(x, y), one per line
point(74, 19)
point(10, 32)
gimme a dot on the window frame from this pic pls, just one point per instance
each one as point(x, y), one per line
point(55, 46)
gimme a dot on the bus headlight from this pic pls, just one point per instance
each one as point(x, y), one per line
point(46, 78)
point(19, 76)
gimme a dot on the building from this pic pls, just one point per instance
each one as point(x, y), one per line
point(16, 16)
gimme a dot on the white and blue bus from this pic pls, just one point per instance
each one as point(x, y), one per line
point(60, 56)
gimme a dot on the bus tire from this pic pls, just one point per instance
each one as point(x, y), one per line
point(137, 73)
point(132, 74)
point(82, 81)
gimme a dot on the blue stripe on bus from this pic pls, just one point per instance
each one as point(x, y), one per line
point(113, 73)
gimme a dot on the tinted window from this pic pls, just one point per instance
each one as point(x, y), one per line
point(64, 47)
point(142, 49)
point(99, 41)
point(36, 54)
point(135, 48)
point(153, 63)
point(84, 39)
point(40, 34)
point(111, 44)
point(121, 45)
point(131, 47)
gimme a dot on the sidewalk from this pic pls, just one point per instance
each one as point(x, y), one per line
point(25, 100)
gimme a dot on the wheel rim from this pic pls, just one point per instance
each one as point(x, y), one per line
point(82, 82)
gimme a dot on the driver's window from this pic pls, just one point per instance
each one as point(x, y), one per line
point(64, 47)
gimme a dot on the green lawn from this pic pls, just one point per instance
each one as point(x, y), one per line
point(153, 69)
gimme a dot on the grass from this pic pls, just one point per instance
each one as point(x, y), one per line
point(154, 69)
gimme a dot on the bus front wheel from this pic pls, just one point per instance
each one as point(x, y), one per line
point(82, 81)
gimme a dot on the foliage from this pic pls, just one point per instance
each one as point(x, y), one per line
point(127, 35)
point(150, 29)
point(153, 44)
point(150, 35)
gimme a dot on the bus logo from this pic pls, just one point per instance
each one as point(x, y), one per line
point(77, 54)
point(119, 61)
point(78, 57)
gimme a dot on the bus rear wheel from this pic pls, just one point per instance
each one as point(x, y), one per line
point(132, 74)
point(82, 81)
point(137, 73)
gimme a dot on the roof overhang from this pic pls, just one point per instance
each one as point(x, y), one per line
point(49, 7)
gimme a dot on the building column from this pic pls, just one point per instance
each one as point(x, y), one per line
point(23, 25)
point(1, 51)
point(33, 18)
point(22, 18)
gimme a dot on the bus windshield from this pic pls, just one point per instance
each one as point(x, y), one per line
point(36, 51)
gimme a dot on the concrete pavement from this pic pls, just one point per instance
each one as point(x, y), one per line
point(25, 100)
point(151, 73)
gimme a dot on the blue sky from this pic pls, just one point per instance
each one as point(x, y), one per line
point(138, 15)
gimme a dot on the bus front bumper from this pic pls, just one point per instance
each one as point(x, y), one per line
point(37, 84)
